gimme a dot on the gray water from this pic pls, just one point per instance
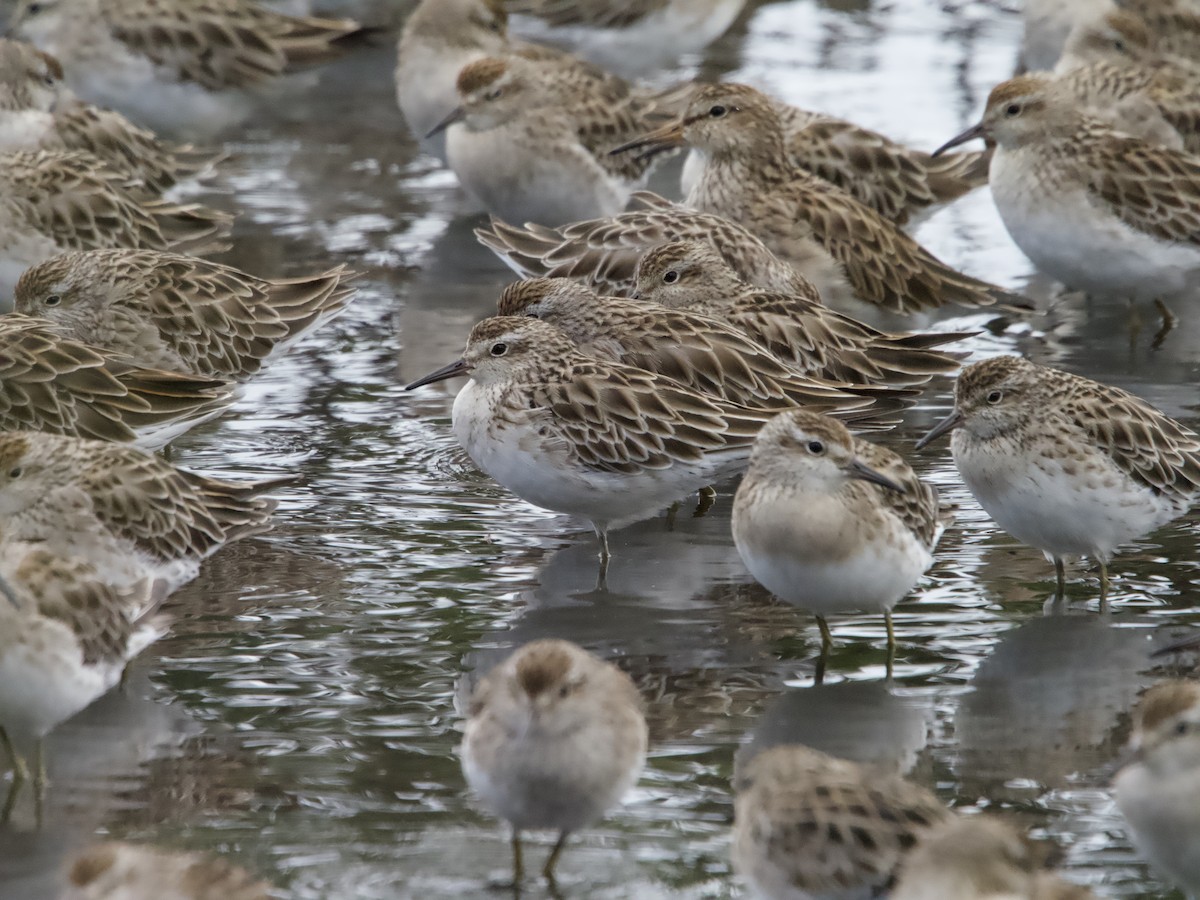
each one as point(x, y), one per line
point(301, 717)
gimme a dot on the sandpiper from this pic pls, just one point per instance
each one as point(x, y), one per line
point(809, 825)
point(440, 37)
point(1158, 787)
point(1110, 68)
point(581, 435)
point(56, 384)
point(748, 177)
point(832, 523)
point(178, 312)
point(1047, 23)
point(130, 514)
point(604, 253)
point(1065, 464)
point(37, 112)
point(178, 65)
point(1100, 210)
point(55, 201)
point(981, 858)
point(115, 870)
point(794, 325)
point(698, 351)
point(633, 35)
point(555, 737)
point(531, 145)
point(66, 636)
point(898, 182)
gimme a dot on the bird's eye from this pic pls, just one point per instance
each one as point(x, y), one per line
point(499, 349)
point(670, 276)
point(1181, 728)
point(1013, 109)
point(564, 691)
point(496, 25)
point(53, 299)
point(995, 397)
point(494, 95)
point(33, 9)
point(816, 448)
point(717, 111)
point(15, 472)
point(1119, 45)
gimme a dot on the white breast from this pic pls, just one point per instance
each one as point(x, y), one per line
point(1077, 241)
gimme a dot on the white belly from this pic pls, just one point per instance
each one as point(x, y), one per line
point(43, 680)
point(1056, 505)
point(522, 179)
point(519, 459)
point(1082, 244)
point(425, 90)
point(539, 781)
point(816, 554)
point(1164, 815)
point(27, 129)
point(20, 248)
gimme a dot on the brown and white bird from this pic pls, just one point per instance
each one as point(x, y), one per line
point(176, 65)
point(55, 201)
point(603, 253)
point(66, 636)
point(810, 825)
point(748, 177)
point(55, 384)
point(531, 142)
point(585, 436)
point(130, 514)
point(698, 351)
point(794, 325)
point(555, 738)
point(898, 182)
point(38, 112)
point(177, 312)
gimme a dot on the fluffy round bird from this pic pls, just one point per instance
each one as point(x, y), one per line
point(585, 436)
point(832, 523)
point(555, 737)
point(1065, 464)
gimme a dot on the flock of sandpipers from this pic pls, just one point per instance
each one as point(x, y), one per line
point(651, 349)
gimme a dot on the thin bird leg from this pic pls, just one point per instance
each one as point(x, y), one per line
point(602, 534)
point(707, 497)
point(552, 860)
point(1060, 589)
point(39, 767)
point(518, 862)
point(20, 767)
point(20, 776)
point(1103, 586)
point(891, 642)
point(1168, 324)
point(826, 636)
point(39, 782)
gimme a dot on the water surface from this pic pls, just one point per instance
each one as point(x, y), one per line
point(301, 717)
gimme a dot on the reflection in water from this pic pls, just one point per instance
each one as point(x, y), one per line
point(1047, 703)
point(861, 721)
point(300, 718)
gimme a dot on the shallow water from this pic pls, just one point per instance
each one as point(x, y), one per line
point(301, 716)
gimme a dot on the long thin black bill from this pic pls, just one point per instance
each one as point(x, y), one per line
point(949, 423)
point(456, 368)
